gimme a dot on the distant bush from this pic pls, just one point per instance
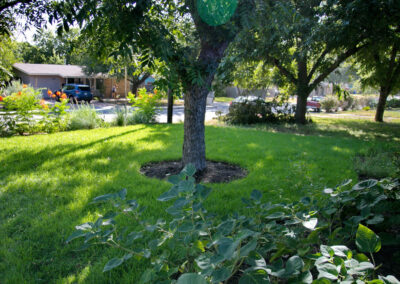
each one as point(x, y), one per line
point(147, 105)
point(15, 87)
point(377, 163)
point(259, 111)
point(348, 103)
point(393, 103)
point(85, 117)
point(330, 103)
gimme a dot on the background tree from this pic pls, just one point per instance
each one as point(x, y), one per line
point(8, 57)
point(306, 40)
point(49, 48)
point(195, 52)
point(379, 64)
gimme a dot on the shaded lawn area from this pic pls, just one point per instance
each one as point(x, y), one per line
point(48, 181)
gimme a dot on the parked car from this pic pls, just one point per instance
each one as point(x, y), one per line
point(314, 104)
point(77, 92)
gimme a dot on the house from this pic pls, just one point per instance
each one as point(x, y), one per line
point(53, 77)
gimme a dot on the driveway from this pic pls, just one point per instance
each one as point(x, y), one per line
point(107, 111)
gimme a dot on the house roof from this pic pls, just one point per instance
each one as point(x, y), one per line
point(65, 71)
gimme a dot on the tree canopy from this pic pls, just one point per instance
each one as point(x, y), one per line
point(306, 40)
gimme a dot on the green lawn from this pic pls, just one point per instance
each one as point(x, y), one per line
point(48, 181)
point(223, 99)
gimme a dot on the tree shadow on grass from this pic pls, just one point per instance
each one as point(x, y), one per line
point(40, 204)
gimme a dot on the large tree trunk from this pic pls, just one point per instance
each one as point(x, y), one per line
point(301, 109)
point(303, 91)
point(170, 109)
point(194, 148)
point(380, 108)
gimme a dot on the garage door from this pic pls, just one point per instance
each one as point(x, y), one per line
point(48, 83)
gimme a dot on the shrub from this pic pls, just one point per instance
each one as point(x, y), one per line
point(259, 111)
point(85, 117)
point(377, 163)
point(330, 103)
point(21, 108)
point(293, 243)
point(146, 103)
point(13, 88)
point(122, 117)
point(393, 103)
point(347, 103)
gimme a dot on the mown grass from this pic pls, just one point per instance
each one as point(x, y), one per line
point(48, 181)
point(371, 113)
point(223, 99)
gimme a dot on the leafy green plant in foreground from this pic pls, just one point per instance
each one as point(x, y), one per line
point(273, 243)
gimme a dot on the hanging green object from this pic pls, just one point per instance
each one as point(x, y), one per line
point(216, 12)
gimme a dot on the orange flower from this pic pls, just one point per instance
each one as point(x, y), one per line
point(58, 93)
point(151, 95)
point(24, 86)
point(1, 98)
point(19, 93)
point(53, 96)
point(64, 96)
point(155, 91)
point(49, 92)
point(140, 96)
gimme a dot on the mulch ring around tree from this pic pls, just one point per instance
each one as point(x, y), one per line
point(215, 172)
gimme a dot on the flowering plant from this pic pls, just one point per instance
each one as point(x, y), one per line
point(147, 103)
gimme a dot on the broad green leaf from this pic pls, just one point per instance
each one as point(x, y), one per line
point(189, 170)
point(294, 263)
point(147, 276)
point(362, 266)
point(174, 179)
point(76, 234)
point(376, 220)
point(389, 279)
point(168, 195)
point(328, 270)
point(254, 278)
point(113, 263)
point(85, 226)
point(256, 195)
point(246, 249)
point(220, 275)
point(185, 227)
point(367, 240)
point(122, 194)
point(365, 184)
point(326, 251)
point(226, 247)
point(306, 277)
point(104, 197)
point(203, 261)
point(225, 228)
point(340, 250)
point(191, 278)
point(310, 224)
point(276, 215)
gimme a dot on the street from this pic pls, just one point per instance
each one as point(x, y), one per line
point(107, 111)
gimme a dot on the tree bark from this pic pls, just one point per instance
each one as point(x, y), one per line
point(303, 91)
point(194, 148)
point(170, 109)
point(301, 108)
point(380, 108)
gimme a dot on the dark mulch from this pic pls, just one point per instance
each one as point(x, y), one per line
point(215, 172)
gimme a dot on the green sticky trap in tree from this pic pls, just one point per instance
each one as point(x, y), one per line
point(216, 12)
